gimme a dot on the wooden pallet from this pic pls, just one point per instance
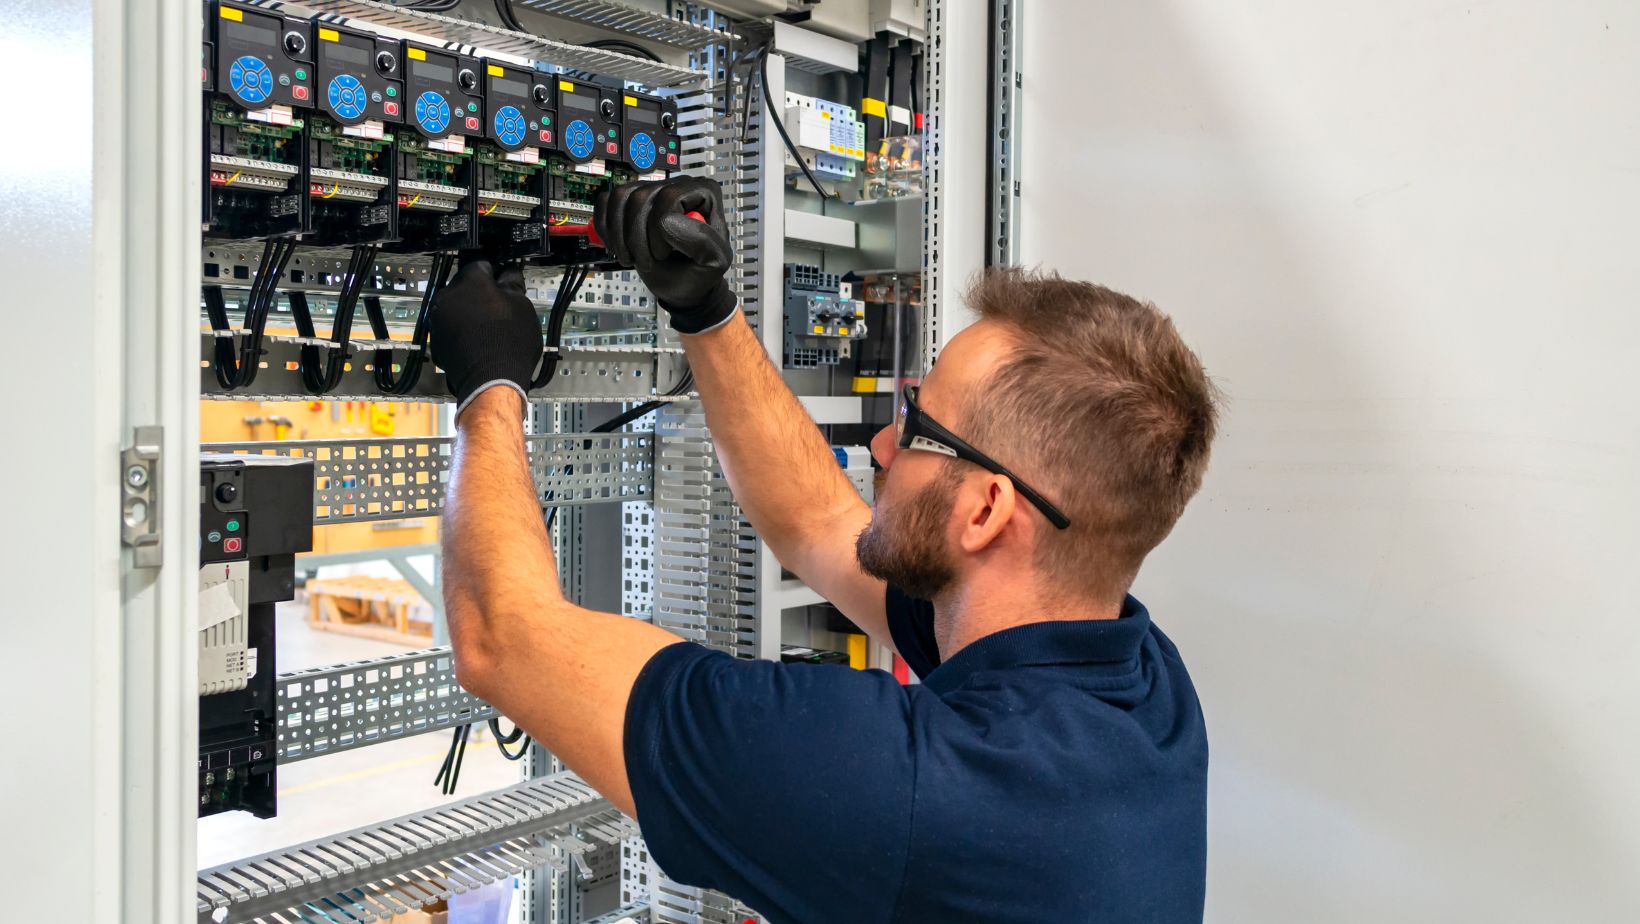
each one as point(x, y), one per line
point(385, 609)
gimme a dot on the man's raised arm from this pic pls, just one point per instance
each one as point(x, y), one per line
point(561, 672)
point(779, 465)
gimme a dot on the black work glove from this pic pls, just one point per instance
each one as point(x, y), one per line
point(485, 331)
point(681, 259)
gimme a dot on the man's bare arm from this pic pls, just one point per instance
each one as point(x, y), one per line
point(783, 472)
point(563, 673)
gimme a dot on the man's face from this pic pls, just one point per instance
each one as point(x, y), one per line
point(909, 543)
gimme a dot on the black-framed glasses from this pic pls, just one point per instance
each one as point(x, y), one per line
point(917, 430)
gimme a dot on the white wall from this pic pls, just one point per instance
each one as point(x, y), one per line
point(1404, 235)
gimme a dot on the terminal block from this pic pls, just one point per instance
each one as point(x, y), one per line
point(830, 136)
point(255, 514)
point(823, 318)
point(259, 96)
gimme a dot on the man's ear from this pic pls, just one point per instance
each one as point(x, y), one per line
point(988, 505)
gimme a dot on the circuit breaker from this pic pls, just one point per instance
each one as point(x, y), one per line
point(823, 318)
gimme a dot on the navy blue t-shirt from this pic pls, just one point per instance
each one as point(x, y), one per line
point(1049, 772)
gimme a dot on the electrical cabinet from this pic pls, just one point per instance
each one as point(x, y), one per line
point(336, 155)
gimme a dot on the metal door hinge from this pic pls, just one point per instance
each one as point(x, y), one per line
point(139, 496)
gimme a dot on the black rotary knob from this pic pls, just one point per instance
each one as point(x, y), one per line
point(295, 43)
point(386, 63)
point(606, 108)
point(669, 121)
point(542, 95)
point(467, 79)
point(227, 492)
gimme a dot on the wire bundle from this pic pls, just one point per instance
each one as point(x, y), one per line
point(405, 381)
point(236, 367)
point(568, 287)
point(321, 376)
point(450, 770)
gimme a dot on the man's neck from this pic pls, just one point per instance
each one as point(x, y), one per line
point(968, 613)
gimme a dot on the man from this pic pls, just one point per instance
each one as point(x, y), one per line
point(1051, 766)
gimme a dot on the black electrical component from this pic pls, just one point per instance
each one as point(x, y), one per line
point(649, 135)
point(444, 116)
point(589, 122)
point(255, 514)
point(257, 101)
point(352, 172)
point(874, 103)
point(520, 139)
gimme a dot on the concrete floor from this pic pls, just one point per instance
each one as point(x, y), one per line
point(349, 789)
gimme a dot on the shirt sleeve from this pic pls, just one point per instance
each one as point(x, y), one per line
point(911, 625)
point(788, 786)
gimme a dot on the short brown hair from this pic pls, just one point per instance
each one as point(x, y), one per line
point(1106, 411)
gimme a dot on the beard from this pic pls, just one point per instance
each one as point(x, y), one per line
point(905, 544)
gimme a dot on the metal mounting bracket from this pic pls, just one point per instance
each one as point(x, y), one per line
point(139, 497)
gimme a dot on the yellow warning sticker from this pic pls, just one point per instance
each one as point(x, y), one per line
point(329, 35)
point(818, 329)
point(566, 85)
point(416, 54)
point(496, 71)
point(630, 100)
point(874, 107)
point(229, 12)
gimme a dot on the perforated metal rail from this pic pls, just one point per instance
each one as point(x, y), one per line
point(586, 373)
point(374, 872)
point(630, 20)
point(357, 480)
point(471, 37)
point(359, 703)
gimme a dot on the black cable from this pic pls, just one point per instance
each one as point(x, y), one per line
point(323, 375)
point(450, 771)
point(236, 366)
point(433, 6)
point(780, 126)
point(503, 8)
point(455, 773)
point(405, 381)
point(631, 48)
point(569, 285)
point(501, 741)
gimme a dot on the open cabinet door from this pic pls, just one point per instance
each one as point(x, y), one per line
point(99, 202)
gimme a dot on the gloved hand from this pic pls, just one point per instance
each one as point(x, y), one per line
point(485, 331)
point(681, 259)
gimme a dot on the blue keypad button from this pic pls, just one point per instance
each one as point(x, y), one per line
point(346, 96)
point(641, 149)
point(250, 79)
point(578, 138)
point(432, 112)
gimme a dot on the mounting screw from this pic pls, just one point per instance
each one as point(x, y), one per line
point(136, 476)
point(210, 779)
